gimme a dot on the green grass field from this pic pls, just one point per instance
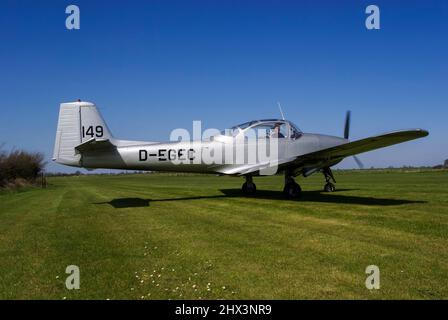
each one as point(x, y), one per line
point(191, 237)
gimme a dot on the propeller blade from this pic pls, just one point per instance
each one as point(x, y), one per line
point(347, 125)
point(358, 162)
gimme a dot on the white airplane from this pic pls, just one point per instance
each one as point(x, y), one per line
point(84, 140)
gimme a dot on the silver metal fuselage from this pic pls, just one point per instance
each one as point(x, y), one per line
point(165, 156)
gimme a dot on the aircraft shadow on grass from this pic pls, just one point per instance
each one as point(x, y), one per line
point(307, 196)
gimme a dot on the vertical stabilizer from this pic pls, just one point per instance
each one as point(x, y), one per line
point(78, 122)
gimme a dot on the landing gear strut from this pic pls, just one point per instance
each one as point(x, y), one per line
point(249, 186)
point(292, 189)
point(329, 187)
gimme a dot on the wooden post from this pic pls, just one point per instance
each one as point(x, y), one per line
point(43, 179)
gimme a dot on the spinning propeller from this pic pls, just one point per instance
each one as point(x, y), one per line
point(347, 134)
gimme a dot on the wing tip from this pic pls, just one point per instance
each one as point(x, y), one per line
point(416, 132)
point(422, 132)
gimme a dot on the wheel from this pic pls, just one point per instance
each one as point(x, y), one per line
point(329, 187)
point(292, 190)
point(249, 188)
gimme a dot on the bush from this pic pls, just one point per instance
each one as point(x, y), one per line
point(16, 184)
point(20, 167)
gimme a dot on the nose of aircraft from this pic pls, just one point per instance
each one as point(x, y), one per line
point(331, 141)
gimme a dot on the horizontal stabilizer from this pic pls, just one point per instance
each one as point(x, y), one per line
point(93, 145)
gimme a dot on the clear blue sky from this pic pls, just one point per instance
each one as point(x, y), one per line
point(152, 66)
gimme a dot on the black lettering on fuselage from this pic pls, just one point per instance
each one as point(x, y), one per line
point(142, 155)
point(191, 154)
point(170, 154)
point(162, 156)
point(180, 154)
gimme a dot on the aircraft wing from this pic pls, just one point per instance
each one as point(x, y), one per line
point(95, 145)
point(331, 156)
point(314, 161)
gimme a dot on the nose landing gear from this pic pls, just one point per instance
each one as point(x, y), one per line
point(329, 187)
point(249, 187)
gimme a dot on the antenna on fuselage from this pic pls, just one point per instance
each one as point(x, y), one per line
point(281, 111)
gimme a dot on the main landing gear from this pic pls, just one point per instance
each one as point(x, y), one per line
point(249, 186)
point(329, 187)
point(292, 189)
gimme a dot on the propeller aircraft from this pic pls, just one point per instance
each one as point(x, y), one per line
point(84, 140)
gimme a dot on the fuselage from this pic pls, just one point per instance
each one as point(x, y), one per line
point(197, 156)
point(84, 140)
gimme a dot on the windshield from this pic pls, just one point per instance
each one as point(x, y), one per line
point(295, 127)
point(295, 132)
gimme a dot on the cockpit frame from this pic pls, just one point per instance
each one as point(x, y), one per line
point(293, 132)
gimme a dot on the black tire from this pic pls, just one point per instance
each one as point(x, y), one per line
point(329, 187)
point(249, 188)
point(292, 190)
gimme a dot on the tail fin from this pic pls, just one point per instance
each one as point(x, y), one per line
point(78, 122)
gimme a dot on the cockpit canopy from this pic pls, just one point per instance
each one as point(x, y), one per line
point(266, 128)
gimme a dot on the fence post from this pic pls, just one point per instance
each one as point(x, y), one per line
point(43, 179)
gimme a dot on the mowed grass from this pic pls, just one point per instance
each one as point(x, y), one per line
point(196, 237)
